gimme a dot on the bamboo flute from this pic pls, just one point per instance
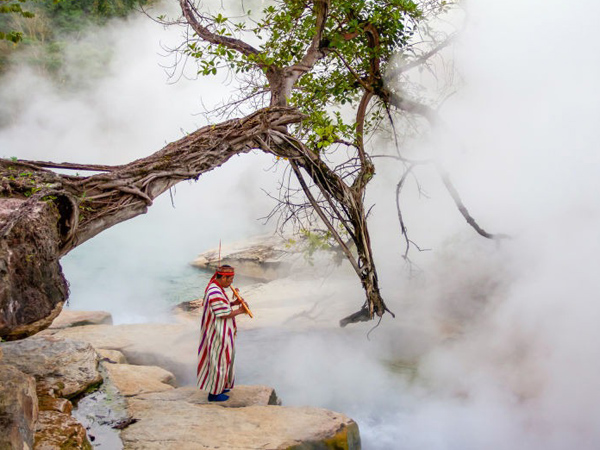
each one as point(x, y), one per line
point(243, 303)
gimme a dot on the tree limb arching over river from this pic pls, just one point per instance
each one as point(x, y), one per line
point(316, 61)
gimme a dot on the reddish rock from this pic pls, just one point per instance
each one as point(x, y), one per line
point(18, 409)
point(59, 431)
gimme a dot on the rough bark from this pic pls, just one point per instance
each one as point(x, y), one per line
point(69, 210)
point(32, 286)
point(44, 215)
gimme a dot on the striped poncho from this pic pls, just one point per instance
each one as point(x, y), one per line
point(217, 335)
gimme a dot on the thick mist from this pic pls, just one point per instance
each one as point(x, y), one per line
point(129, 109)
point(494, 344)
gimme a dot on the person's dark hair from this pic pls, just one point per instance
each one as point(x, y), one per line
point(224, 266)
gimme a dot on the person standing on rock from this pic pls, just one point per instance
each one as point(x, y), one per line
point(215, 372)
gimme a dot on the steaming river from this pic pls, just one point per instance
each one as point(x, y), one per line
point(317, 364)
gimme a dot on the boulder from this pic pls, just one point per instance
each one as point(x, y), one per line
point(61, 367)
point(192, 424)
point(111, 356)
point(18, 409)
point(68, 318)
point(49, 403)
point(133, 380)
point(60, 431)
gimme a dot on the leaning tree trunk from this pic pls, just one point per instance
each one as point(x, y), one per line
point(44, 215)
point(347, 203)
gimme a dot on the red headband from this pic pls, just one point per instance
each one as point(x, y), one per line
point(225, 271)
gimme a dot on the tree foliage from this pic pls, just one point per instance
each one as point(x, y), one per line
point(13, 7)
point(312, 77)
point(40, 27)
point(326, 59)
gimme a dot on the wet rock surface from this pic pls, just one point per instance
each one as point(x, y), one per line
point(103, 413)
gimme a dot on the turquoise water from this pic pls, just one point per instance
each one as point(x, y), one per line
point(139, 273)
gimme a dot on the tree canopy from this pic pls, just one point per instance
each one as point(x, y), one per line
point(313, 88)
point(16, 8)
point(39, 29)
point(329, 61)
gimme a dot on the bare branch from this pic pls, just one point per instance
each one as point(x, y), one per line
point(463, 209)
point(191, 14)
point(413, 107)
point(422, 59)
point(324, 218)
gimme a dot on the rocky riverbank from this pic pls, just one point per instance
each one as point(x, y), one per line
point(85, 383)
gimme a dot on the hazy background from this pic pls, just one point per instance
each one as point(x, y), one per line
point(494, 345)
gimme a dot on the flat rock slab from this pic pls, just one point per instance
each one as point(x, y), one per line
point(68, 318)
point(180, 425)
point(239, 397)
point(61, 366)
point(165, 345)
point(131, 339)
point(134, 380)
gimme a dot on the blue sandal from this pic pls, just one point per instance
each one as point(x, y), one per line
point(217, 398)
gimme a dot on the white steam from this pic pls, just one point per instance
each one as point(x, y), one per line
point(505, 335)
point(494, 345)
point(112, 113)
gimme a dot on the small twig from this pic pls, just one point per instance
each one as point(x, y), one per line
point(462, 208)
point(378, 322)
